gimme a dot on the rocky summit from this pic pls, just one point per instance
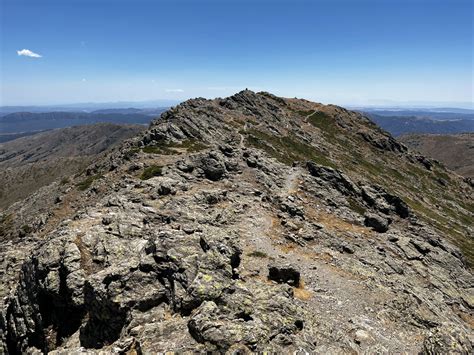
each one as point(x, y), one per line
point(246, 224)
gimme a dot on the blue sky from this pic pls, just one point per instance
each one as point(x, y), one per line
point(355, 52)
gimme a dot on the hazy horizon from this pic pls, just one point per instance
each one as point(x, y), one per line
point(153, 103)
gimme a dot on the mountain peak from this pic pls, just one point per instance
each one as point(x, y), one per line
point(247, 223)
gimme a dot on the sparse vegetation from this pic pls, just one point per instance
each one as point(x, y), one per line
point(286, 149)
point(153, 149)
point(443, 224)
point(270, 96)
point(86, 183)
point(6, 222)
point(192, 145)
point(304, 113)
point(171, 148)
point(253, 217)
point(151, 171)
point(258, 254)
point(64, 181)
point(301, 293)
point(355, 206)
point(130, 153)
point(26, 229)
point(324, 122)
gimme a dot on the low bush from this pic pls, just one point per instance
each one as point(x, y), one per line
point(151, 171)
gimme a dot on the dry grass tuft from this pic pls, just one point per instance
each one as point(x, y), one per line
point(301, 293)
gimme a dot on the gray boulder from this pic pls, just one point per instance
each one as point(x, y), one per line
point(213, 166)
point(376, 222)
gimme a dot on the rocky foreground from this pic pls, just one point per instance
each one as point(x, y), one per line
point(251, 223)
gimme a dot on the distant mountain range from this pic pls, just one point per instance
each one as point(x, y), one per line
point(438, 114)
point(413, 111)
point(90, 106)
point(30, 120)
point(18, 124)
point(404, 122)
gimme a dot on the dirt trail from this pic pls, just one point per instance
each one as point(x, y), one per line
point(308, 116)
point(291, 182)
point(242, 138)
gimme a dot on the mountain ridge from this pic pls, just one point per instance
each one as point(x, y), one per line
point(249, 223)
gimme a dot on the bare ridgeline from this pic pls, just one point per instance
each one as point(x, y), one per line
point(250, 223)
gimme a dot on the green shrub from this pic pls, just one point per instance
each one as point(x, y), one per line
point(169, 148)
point(130, 153)
point(151, 171)
point(355, 206)
point(153, 149)
point(193, 145)
point(26, 229)
point(85, 184)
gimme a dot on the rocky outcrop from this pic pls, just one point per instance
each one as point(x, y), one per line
point(277, 233)
point(376, 222)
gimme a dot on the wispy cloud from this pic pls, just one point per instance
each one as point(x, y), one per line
point(174, 90)
point(28, 53)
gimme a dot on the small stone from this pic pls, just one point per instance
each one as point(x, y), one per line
point(106, 221)
point(361, 336)
point(164, 189)
point(188, 229)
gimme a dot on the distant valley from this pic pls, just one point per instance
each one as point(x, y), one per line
point(19, 124)
point(29, 163)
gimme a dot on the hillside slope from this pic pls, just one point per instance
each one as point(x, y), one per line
point(250, 223)
point(28, 163)
point(456, 151)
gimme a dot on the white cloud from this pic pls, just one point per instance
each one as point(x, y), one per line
point(174, 90)
point(84, 79)
point(28, 53)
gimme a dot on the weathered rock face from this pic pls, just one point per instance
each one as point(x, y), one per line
point(376, 222)
point(251, 223)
